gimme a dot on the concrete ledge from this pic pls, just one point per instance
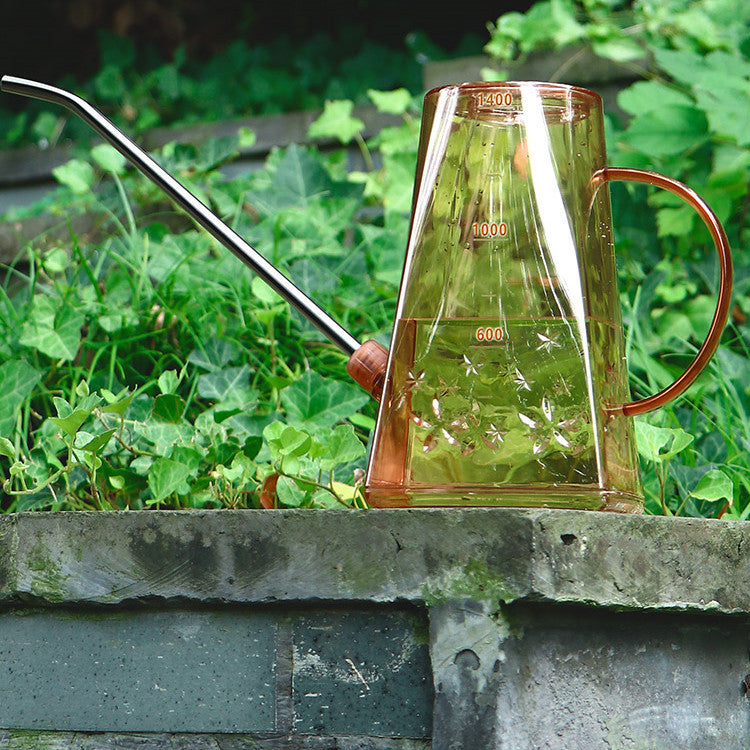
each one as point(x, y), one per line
point(420, 556)
point(578, 66)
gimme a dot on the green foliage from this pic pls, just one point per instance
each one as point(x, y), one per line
point(147, 368)
point(78, 175)
point(556, 24)
point(143, 367)
point(140, 90)
point(336, 122)
point(687, 118)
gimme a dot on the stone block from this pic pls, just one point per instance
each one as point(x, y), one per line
point(152, 671)
point(530, 676)
point(362, 673)
point(8, 558)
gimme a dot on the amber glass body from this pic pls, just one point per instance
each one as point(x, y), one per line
point(508, 352)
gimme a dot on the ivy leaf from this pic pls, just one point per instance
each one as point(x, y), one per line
point(165, 436)
point(621, 49)
point(536, 29)
point(336, 122)
point(667, 131)
point(401, 139)
point(17, 381)
point(97, 442)
point(214, 152)
point(116, 404)
point(7, 448)
point(62, 407)
point(112, 322)
point(56, 333)
point(71, 419)
point(232, 385)
point(72, 422)
point(78, 175)
point(190, 458)
point(319, 403)
point(504, 34)
point(660, 444)
point(247, 138)
point(214, 354)
point(340, 447)
point(252, 446)
point(286, 440)
point(166, 477)
point(298, 179)
point(168, 381)
point(644, 96)
point(346, 492)
point(109, 158)
point(324, 499)
point(56, 260)
point(394, 102)
point(45, 126)
point(169, 407)
point(289, 492)
point(263, 292)
point(567, 28)
point(714, 485)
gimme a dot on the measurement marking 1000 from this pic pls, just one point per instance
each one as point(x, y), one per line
point(490, 229)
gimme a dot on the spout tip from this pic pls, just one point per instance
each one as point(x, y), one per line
point(12, 84)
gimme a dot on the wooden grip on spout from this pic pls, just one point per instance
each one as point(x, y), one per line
point(367, 366)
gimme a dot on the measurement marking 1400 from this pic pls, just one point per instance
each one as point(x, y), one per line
point(490, 229)
point(495, 99)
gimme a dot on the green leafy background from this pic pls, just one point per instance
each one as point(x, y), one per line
point(141, 366)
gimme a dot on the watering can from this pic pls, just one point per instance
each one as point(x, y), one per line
point(506, 382)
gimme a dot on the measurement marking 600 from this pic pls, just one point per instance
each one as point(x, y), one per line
point(488, 334)
point(490, 229)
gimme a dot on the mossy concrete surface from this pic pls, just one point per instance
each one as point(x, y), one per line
point(420, 556)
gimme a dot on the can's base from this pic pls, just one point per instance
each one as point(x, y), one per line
point(469, 496)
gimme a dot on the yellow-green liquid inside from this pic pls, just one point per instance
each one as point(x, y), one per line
point(487, 411)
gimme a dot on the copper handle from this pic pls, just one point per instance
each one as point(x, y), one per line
point(725, 283)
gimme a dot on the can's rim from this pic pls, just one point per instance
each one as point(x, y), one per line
point(577, 93)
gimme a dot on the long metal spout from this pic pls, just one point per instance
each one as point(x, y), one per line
point(190, 204)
